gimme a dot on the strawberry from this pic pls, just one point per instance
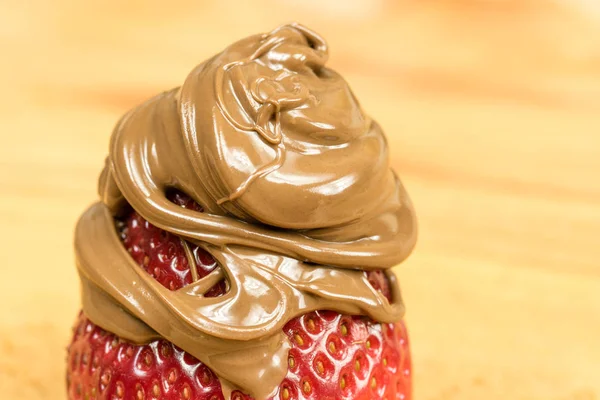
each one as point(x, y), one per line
point(333, 356)
point(162, 254)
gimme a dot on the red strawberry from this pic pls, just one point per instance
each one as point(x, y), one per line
point(333, 356)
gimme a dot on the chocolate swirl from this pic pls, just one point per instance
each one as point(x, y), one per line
point(299, 199)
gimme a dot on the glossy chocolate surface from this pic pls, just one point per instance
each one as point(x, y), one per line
point(299, 200)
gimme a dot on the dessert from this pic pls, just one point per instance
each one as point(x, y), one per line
point(243, 240)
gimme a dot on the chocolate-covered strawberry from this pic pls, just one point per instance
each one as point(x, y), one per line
point(243, 242)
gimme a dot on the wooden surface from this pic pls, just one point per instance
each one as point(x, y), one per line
point(492, 109)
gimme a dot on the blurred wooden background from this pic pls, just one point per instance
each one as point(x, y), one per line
point(492, 109)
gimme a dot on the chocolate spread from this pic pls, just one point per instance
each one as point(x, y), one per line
point(299, 200)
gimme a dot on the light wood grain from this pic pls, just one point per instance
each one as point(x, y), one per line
point(492, 109)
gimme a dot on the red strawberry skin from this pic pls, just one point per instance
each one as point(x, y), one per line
point(101, 366)
point(333, 356)
point(162, 254)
